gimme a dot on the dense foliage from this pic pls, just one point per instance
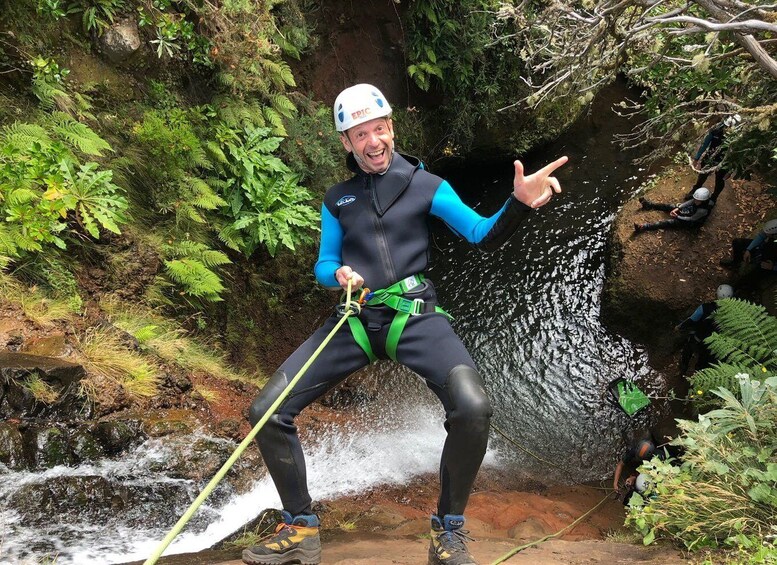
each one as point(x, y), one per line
point(723, 491)
point(698, 62)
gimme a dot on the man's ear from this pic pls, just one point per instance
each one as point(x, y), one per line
point(346, 142)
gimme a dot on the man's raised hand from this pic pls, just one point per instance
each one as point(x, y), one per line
point(536, 189)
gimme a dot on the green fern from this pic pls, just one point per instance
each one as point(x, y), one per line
point(22, 135)
point(79, 135)
point(747, 322)
point(197, 251)
point(195, 278)
point(745, 344)
point(283, 105)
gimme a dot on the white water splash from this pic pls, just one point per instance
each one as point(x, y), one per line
point(340, 463)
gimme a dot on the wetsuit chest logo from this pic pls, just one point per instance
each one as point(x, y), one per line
point(346, 200)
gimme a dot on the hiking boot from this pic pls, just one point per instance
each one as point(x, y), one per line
point(728, 262)
point(295, 540)
point(637, 227)
point(643, 202)
point(448, 544)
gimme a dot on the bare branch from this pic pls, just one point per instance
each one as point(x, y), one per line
point(746, 26)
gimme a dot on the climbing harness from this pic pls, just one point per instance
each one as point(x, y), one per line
point(393, 298)
point(626, 395)
point(349, 307)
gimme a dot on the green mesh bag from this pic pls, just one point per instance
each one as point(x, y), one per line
point(627, 396)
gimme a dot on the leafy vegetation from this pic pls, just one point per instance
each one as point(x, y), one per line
point(723, 492)
point(697, 61)
point(746, 343)
point(47, 196)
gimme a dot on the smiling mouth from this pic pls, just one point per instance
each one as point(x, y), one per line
point(376, 154)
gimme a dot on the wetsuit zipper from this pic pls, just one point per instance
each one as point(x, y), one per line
point(380, 234)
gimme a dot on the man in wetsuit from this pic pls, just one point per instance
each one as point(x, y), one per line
point(690, 214)
point(709, 157)
point(700, 326)
point(374, 231)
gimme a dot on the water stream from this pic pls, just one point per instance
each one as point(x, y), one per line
point(528, 313)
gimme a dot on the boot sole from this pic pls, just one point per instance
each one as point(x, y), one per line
point(294, 556)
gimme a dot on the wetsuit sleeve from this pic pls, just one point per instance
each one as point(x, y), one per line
point(487, 234)
point(703, 146)
point(691, 320)
point(330, 252)
point(757, 241)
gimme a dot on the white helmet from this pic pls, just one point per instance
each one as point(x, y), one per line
point(358, 104)
point(642, 483)
point(725, 291)
point(732, 120)
point(701, 194)
point(770, 227)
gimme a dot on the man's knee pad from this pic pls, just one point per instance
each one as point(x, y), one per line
point(468, 396)
point(269, 394)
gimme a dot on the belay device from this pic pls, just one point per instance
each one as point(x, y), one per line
point(627, 396)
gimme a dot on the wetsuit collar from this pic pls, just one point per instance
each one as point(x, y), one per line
point(390, 185)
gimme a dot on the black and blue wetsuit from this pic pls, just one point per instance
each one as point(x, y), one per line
point(711, 153)
point(378, 224)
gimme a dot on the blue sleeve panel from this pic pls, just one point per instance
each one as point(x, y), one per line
point(703, 146)
point(459, 217)
point(330, 252)
point(698, 314)
point(757, 241)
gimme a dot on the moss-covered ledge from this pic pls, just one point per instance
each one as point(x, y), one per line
point(656, 279)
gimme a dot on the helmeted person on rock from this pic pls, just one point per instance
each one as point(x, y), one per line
point(760, 250)
point(700, 326)
point(690, 214)
point(374, 230)
point(709, 157)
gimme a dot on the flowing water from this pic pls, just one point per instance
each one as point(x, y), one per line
point(528, 313)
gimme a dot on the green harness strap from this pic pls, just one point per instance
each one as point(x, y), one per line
point(392, 297)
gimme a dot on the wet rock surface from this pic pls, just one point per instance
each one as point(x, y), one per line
point(18, 371)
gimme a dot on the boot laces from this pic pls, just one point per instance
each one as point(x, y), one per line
point(454, 540)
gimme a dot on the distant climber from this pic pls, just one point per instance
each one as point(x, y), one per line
point(761, 250)
point(709, 157)
point(686, 215)
point(700, 326)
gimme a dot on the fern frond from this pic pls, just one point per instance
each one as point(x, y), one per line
point(276, 120)
point(79, 135)
point(732, 350)
point(747, 322)
point(231, 237)
point(8, 240)
point(22, 135)
point(195, 278)
point(203, 195)
point(215, 152)
point(283, 105)
point(719, 375)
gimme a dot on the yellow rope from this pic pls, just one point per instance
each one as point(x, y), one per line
point(351, 307)
point(515, 550)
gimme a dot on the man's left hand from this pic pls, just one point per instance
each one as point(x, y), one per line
point(536, 189)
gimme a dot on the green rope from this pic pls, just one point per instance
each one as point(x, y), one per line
point(244, 444)
point(515, 550)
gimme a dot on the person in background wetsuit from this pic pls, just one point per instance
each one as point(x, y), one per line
point(700, 327)
point(709, 157)
point(375, 232)
point(690, 214)
point(761, 250)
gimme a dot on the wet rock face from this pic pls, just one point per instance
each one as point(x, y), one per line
point(97, 498)
point(11, 447)
point(47, 447)
point(61, 379)
point(121, 41)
